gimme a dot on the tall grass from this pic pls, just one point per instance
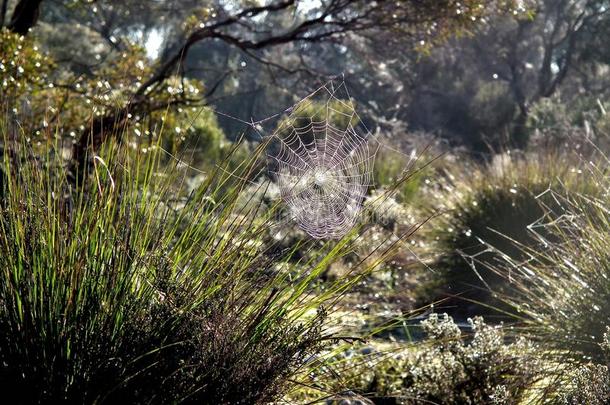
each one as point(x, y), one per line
point(562, 292)
point(491, 209)
point(125, 287)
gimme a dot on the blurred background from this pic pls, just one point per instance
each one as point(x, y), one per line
point(490, 198)
point(480, 76)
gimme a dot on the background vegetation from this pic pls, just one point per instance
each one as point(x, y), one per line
point(146, 257)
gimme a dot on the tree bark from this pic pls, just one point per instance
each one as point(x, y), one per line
point(3, 12)
point(25, 16)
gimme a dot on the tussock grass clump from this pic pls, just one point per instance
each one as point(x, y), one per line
point(562, 291)
point(123, 287)
point(488, 212)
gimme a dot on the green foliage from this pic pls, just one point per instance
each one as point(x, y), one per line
point(492, 110)
point(590, 384)
point(553, 120)
point(49, 98)
point(488, 214)
point(391, 166)
point(337, 113)
point(57, 102)
point(24, 68)
point(464, 107)
point(205, 141)
point(454, 372)
point(464, 13)
point(446, 367)
point(203, 133)
point(121, 290)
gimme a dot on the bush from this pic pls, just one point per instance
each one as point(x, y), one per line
point(553, 121)
point(121, 290)
point(23, 68)
point(453, 372)
point(493, 112)
point(589, 385)
point(486, 214)
point(573, 383)
point(446, 367)
point(562, 292)
point(391, 166)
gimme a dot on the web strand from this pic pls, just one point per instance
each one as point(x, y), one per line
point(323, 163)
point(321, 156)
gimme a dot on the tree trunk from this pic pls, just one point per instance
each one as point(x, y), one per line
point(25, 16)
point(3, 12)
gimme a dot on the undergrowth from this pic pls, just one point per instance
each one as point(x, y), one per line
point(446, 367)
point(126, 286)
point(487, 213)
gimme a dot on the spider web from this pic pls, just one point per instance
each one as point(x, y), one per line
point(322, 160)
point(321, 155)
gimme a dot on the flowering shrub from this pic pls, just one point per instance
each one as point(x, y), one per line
point(446, 367)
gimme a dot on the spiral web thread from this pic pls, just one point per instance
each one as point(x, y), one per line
point(322, 160)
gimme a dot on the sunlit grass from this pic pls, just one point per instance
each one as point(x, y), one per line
point(499, 205)
point(561, 291)
point(126, 285)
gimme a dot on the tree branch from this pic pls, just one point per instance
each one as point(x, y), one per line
point(334, 18)
point(205, 33)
